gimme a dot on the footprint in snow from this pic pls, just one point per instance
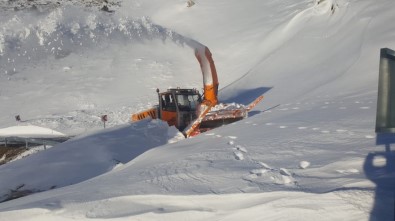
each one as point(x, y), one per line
point(241, 149)
point(278, 176)
point(258, 172)
point(286, 180)
point(264, 165)
point(286, 177)
point(232, 141)
point(285, 172)
point(238, 155)
point(348, 171)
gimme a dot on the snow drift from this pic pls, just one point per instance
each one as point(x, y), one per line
point(84, 157)
point(308, 149)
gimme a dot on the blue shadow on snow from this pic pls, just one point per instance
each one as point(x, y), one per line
point(247, 96)
point(379, 167)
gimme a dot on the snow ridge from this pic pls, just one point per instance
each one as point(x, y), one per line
point(27, 38)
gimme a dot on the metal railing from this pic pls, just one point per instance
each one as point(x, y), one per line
point(30, 142)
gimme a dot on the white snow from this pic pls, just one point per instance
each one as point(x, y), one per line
point(304, 164)
point(30, 151)
point(84, 157)
point(306, 152)
point(29, 131)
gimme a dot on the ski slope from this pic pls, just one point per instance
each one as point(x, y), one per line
point(307, 152)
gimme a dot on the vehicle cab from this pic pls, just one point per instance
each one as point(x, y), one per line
point(179, 106)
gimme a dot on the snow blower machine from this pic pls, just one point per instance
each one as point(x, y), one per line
point(193, 113)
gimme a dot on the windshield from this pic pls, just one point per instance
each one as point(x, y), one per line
point(188, 102)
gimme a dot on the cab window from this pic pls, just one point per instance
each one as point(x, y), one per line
point(188, 102)
point(168, 103)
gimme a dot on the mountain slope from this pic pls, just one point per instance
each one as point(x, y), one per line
point(308, 151)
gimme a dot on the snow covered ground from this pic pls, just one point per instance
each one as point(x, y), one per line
point(307, 152)
point(29, 131)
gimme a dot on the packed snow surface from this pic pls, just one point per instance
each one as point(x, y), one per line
point(29, 131)
point(308, 151)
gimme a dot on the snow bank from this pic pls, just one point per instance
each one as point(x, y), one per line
point(321, 66)
point(260, 206)
point(54, 55)
point(83, 157)
point(26, 38)
point(30, 132)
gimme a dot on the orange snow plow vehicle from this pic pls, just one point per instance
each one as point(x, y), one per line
point(192, 113)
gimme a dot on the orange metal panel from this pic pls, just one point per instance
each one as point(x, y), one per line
point(152, 112)
point(170, 117)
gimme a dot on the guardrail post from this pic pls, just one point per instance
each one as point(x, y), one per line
point(385, 115)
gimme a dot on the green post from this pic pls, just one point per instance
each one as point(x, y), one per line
point(385, 117)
